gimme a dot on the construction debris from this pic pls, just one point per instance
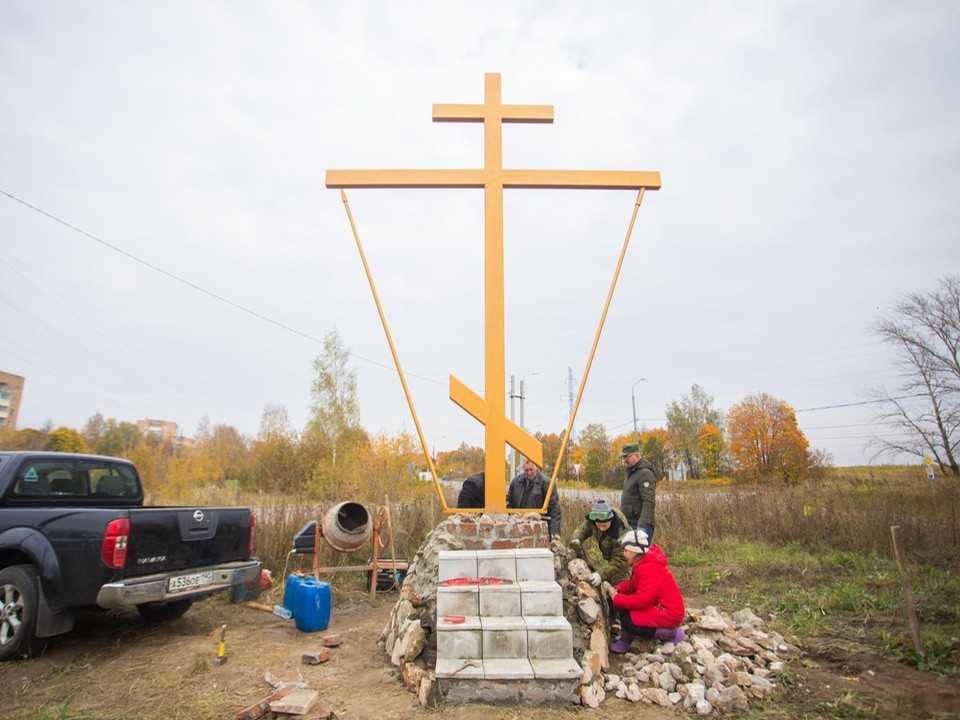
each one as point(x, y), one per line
point(260, 709)
point(331, 640)
point(316, 657)
point(297, 702)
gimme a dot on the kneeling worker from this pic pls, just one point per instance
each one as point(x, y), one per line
point(597, 540)
point(650, 602)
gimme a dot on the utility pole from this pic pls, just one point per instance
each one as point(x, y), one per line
point(513, 451)
point(633, 401)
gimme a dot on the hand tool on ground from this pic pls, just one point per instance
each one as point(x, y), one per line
point(221, 657)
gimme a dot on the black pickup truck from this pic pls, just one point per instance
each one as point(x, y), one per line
point(74, 534)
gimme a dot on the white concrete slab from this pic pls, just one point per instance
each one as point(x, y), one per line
point(458, 600)
point(504, 637)
point(556, 668)
point(549, 637)
point(457, 563)
point(497, 563)
point(499, 600)
point(540, 597)
point(535, 564)
point(463, 641)
point(508, 669)
point(459, 668)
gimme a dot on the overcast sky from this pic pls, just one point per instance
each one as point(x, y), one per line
point(184, 258)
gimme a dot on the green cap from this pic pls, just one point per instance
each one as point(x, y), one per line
point(629, 449)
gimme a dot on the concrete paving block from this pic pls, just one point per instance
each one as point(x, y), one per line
point(540, 597)
point(497, 563)
point(556, 668)
point(460, 641)
point(457, 563)
point(535, 564)
point(504, 637)
point(459, 668)
point(499, 600)
point(298, 702)
point(549, 637)
point(458, 600)
point(507, 669)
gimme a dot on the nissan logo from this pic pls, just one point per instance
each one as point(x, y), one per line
point(198, 515)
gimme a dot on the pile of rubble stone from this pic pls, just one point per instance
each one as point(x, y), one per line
point(722, 664)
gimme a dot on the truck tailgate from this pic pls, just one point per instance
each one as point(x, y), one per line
point(164, 539)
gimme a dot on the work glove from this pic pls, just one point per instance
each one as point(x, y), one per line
point(574, 544)
point(609, 589)
point(595, 579)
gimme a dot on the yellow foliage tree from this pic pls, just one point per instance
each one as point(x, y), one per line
point(712, 449)
point(65, 439)
point(765, 441)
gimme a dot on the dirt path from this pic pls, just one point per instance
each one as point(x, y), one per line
point(115, 666)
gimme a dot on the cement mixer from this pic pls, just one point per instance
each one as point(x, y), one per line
point(347, 527)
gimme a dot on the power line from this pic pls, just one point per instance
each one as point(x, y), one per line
point(865, 402)
point(198, 288)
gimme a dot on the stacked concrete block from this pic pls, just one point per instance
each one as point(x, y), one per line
point(508, 623)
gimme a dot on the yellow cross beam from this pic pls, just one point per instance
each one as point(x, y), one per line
point(493, 178)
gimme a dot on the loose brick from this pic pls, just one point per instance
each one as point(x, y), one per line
point(316, 657)
point(331, 640)
point(259, 709)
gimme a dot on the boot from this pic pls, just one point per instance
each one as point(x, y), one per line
point(622, 645)
point(669, 635)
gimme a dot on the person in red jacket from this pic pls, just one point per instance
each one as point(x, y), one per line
point(649, 601)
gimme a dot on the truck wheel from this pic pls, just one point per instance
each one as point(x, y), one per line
point(18, 611)
point(158, 612)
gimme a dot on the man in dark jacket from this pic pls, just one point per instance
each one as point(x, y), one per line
point(472, 492)
point(597, 540)
point(639, 498)
point(529, 489)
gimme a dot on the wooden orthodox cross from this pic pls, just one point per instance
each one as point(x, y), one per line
point(493, 178)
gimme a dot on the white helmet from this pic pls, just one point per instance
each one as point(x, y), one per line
point(636, 541)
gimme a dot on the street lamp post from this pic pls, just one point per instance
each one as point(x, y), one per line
point(633, 401)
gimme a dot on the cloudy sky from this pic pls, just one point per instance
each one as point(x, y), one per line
point(168, 248)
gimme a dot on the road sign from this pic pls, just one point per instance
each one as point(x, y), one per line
point(930, 475)
point(928, 460)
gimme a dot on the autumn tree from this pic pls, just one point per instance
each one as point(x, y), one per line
point(765, 441)
point(594, 446)
point(24, 439)
point(551, 451)
point(225, 448)
point(65, 439)
point(924, 409)
point(463, 462)
point(335, 412)
point(111, 437)
point(712, 450)
point(276, 459)
point(685, 419)
point(654, 447)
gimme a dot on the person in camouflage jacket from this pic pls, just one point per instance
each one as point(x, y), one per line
point(596, 540)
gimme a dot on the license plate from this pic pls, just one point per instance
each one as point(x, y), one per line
point(186, 582)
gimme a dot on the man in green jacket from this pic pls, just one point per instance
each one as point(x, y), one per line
point(596, 540)
point(639, 498)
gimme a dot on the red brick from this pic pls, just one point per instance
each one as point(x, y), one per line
point(503, 545)
point(258, 710)
point(468, 529)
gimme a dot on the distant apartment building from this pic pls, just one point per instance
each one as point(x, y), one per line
point(162, 429)
point(11, 391)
